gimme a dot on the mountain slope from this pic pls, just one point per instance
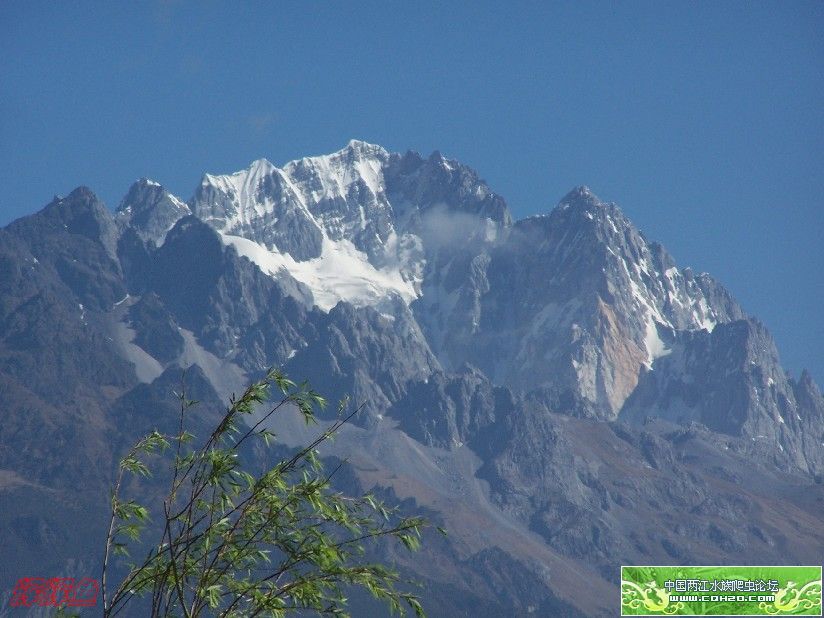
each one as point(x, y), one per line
point(555, 391)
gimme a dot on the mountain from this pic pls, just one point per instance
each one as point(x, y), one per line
point(555, 391)
point(150, 211)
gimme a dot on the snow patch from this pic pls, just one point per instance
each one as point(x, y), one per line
point(342, 272)
point(703, 316)
point(654, 344)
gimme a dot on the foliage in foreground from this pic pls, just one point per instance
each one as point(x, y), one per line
point(238, 544)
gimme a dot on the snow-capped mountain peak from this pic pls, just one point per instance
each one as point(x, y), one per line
point(324, 219)
point(580, 195)
point(361, 208)
point(150, 210)
point(369, 227)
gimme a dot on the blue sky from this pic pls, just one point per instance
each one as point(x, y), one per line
point(703, 120)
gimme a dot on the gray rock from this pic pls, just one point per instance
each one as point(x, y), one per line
point(150, 210)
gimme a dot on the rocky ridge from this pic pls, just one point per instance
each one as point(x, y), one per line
point(558, 381)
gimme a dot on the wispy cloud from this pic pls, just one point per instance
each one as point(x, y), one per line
point(260, 123)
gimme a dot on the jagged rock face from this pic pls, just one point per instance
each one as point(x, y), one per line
point(235, 310)
point(292, 210)
point(59, 278)
point(730, 380)
point(606, 494)
point(250, 319)
point(574, 306)
point(361, 194)
point(577, 301)
point(150, 210)
point(365, 355)
point(260, 204)
point(810, 434)
point(366, 219)
point(156, 330)
point(476, 343)
point(449, 410)
point(571, 302)
point(77, 237)
point(417, 185)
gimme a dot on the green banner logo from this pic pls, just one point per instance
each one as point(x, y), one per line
point(720, 591)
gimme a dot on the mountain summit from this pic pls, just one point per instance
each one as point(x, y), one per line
point(556, 391)
point(575, 305)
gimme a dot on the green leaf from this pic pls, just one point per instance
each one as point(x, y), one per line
point(221, 513)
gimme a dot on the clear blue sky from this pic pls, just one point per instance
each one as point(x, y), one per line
point(703, 120)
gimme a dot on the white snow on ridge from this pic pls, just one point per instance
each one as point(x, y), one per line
point(332, 176)
point(241, 188)
point(340, 273)
point(654, 344)
point(703, 315)
point(177, 202)
point(305, 183)
point(652, 317)
point(338, 193)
